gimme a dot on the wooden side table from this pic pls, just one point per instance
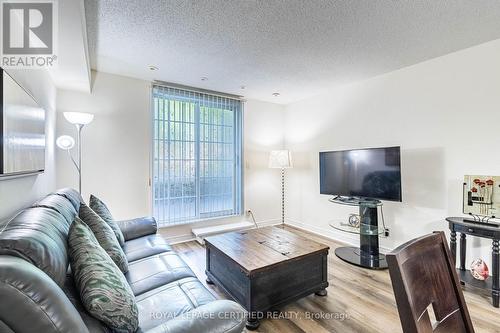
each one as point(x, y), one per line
point(483, 230)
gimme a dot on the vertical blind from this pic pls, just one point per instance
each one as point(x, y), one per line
point(197, 153)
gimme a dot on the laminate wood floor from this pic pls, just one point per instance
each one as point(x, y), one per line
point(359, 300)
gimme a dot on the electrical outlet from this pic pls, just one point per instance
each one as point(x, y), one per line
point(386, 232)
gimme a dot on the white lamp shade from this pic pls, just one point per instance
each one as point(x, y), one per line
point(65, 142)
point(280, 159)
point(79, 118)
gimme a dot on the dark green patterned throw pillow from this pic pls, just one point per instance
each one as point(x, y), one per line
point(104, 291)
point(104, 235)
point(102, 210)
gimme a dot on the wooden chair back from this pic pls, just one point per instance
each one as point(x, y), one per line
point(424, 279)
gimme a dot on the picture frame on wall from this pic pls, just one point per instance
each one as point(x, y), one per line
point(481, 196)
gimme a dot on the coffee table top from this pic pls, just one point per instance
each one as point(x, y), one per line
point(259, 248)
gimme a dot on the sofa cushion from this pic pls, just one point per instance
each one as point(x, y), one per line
point(38, 235)
point(69, 289)
point(104, 235)
point(145, 246)
point(155, 271)
point(72, 195)
point(59, 204)
point(222, 316)
point(171, 300)
point(102, 210)
point(103, 288)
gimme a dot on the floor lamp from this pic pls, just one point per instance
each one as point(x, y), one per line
point(281, 159)
point(66, 142)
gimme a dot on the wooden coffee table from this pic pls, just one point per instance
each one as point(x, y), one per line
point(263, 269)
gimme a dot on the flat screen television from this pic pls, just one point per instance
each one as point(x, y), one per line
point(22, 130)
point(372, 173)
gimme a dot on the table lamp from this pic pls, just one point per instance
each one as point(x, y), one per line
point(281, 159)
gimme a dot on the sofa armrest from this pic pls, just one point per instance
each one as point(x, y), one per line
point(139, 227)
point(32, 302)
point(216, 317)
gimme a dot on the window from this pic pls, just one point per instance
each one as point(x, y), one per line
point(197, 148)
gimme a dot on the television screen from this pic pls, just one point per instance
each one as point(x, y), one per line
point(373, 173)
point(22, 130)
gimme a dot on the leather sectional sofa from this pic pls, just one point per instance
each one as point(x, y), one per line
point(37, 293)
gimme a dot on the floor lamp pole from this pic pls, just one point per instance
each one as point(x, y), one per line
point(282, 197)
point(79, 119)
point(79, 128)
point(281, 159)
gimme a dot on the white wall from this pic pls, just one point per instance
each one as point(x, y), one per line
point(444, 113)
point(116, 154)
point(18, 193)
point(263, 132)
point(115, 145)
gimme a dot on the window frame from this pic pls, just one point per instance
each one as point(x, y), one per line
point(196, 96)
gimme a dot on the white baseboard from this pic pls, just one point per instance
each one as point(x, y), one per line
point(267, 223)
point(180, 239)
point(330, 233)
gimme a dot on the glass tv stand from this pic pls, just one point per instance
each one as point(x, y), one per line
point(367, 255)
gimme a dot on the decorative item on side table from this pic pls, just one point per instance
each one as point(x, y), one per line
point(481, 197)
point(479, 269)
point(66, 142)
point(281, 159)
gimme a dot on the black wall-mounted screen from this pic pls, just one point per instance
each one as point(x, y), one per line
point(373, 173)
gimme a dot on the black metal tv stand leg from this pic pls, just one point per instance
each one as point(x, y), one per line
point(367, 255)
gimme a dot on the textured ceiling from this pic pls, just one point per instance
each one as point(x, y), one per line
point(295, 47)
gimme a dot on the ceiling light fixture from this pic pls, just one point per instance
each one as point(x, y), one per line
point(152, 68)
point(276, 94)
